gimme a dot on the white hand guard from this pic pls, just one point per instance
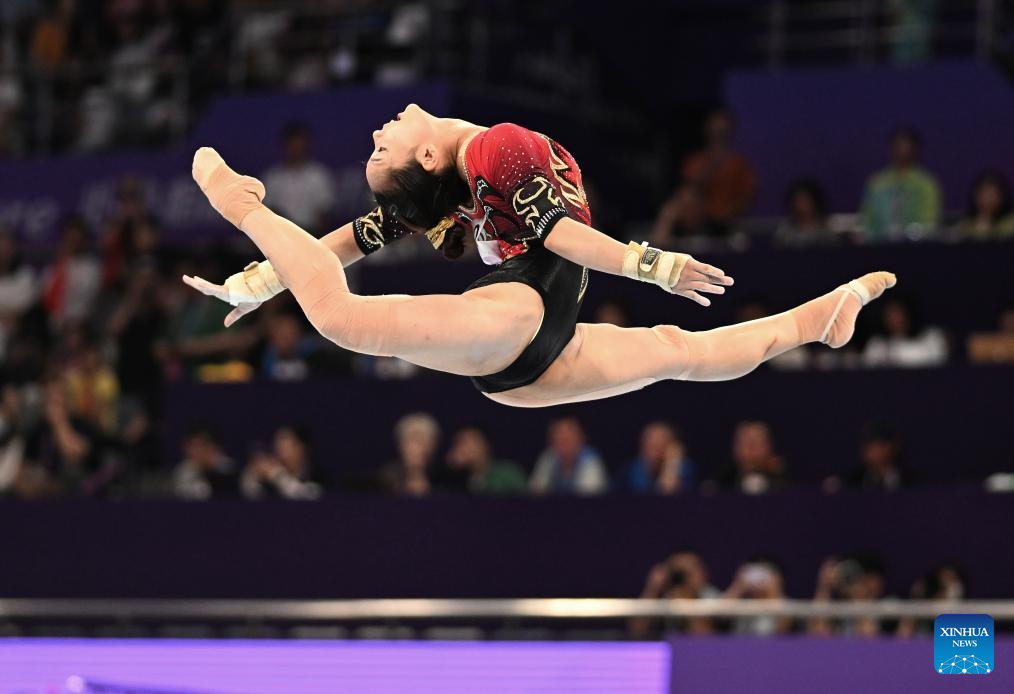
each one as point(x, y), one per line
point(257, 283)
point(641, 262)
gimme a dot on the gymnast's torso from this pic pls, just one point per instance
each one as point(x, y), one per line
point(522, 183)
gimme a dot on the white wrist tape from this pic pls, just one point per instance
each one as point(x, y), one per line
point(258, 282)
point(641, 262)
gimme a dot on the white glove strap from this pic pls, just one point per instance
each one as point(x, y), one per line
point(646, 264)
point(257, 283)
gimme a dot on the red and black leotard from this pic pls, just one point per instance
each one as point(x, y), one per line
point(522, 184)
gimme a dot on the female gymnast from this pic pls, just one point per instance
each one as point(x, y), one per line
point(519, 196)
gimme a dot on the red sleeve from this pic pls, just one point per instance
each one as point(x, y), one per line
point(518, 162)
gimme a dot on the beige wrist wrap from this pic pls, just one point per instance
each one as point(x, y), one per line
point(641, 262)
point(257, 283)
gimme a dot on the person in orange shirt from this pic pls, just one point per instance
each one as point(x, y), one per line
point(724, 176)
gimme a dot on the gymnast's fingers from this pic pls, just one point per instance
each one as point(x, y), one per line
point(207, 288)
point(238, 312)
point(691, 294)
point(714, 274)
point(707, 287)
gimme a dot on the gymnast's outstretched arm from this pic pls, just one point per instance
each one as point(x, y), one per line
point(591, 248)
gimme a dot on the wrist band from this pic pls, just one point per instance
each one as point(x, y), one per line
point(258, 282)
point(646, 264)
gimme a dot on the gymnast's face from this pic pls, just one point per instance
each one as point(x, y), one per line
point(410, 134)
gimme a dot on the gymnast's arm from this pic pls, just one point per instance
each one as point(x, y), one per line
point(343, 244)
point(581, 244)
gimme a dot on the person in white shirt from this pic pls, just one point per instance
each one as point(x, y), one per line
point(300, 188)
point(904, 342)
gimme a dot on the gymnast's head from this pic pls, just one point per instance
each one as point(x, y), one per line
point(412, 173)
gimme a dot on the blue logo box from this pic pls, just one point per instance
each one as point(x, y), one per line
point(963, 644)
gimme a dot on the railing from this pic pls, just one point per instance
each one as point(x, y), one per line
point(524, 608)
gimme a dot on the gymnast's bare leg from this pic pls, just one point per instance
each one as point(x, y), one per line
point(604, 360)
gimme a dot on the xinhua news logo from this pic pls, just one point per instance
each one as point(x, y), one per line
point(963, 644)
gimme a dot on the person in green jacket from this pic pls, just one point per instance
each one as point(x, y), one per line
point(902, 200)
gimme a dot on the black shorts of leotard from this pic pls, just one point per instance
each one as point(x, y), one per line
point(561, 285)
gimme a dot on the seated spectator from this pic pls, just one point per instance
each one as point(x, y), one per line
point(569, 465)
point(300, 188)
point(290, 351)
point(662, 466)
point(852, 579)
point(416, 436)
point(613, 311)
point(761, 578)
point(902, 200)
point(205, 471)
point(683, 576)
point(989, 209)
point(17, 288)
point(902, 340)
point(725, 177)
point(12, 439)
point(93, 391)
point(472, 456)
point(64, 453)
point(995, 347)
point(806, 223)
point(944, 583)
point(285, 471)
point(71, 283)
point(756, 467)
point(682, 216)
point(880, 467)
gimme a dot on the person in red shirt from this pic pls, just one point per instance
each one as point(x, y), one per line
point(518, 196)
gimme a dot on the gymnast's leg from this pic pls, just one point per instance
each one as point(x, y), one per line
point(603, 360)
point(477, 333)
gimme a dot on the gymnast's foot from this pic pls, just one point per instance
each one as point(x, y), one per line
point(831, 319)
point(234, 196)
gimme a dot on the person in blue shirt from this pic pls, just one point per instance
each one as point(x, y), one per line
point(662, 465)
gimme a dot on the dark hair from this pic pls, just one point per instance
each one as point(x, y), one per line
point(295, 128)
point(909, 133)
point(997, 179)
point(812, 188)
point(424, 199)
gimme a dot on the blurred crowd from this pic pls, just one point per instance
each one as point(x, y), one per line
point(901, 202)
point(856, 577)
point(86, 76)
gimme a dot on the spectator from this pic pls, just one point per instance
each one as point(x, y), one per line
point(662, 465)
point(989, 209)
point(71, 283)
point(760, 578)
point(994, 347)
point(756, 467)
point(64, 452)
point(725, 177)
point(417, 436)
point(206, 471)
point(683, 216)
point(902, 200)
point(17, 288)
point(12, 440)
point(300, 188)
point(858, 578)
point(903, 341)
point(569, 465)
point(944, 583)
point(285, 471)
point(880, 467)
point(472, 455)
point(289, 352)
point(92, 389)
point(683, 576)
point(806, 223)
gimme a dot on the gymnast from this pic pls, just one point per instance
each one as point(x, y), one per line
point(518, 196)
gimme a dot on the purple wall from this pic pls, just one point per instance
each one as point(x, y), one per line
point(49, 666)
point(833, 124)
point(374, 546)
point(829, 666)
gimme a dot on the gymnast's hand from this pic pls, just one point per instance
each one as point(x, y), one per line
point(220, 291)
point(700, 277)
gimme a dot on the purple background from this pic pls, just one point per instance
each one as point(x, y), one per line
point(43, 666)
point(829, 666)
point(834, 124)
